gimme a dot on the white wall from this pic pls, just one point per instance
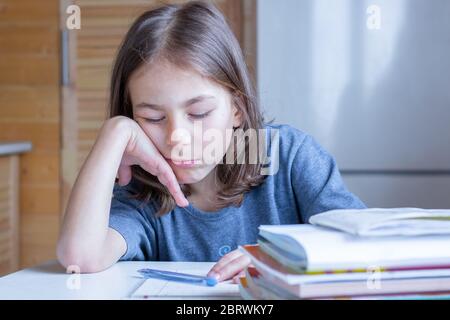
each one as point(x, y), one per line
point(378, 100)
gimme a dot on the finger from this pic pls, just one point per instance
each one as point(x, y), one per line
point(239, 275)
point(168, 178)
point(151, 160)
point(174, 189)
point(161, 169)
point(223, 262)
point(124, 173)
point(233, 268)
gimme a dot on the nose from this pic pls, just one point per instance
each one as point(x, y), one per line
point(177, 132)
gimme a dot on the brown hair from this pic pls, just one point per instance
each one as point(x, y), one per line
point(194, 34)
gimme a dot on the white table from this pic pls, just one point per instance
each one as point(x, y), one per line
point(50, 281)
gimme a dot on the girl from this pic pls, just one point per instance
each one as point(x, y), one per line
point(180, 68)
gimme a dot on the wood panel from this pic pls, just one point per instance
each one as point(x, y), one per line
point(18, 39)
point(249, 35)
point(27, 104)
point(28, 13)
point(9, 214)
point(28, 70)
point(30, 110)
point(47, 233)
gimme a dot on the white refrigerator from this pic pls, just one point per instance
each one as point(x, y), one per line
point(370, 80)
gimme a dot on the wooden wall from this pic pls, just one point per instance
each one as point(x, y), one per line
point(30, 110)
point(9, 213)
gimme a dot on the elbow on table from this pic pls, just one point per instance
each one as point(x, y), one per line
point(75, 260)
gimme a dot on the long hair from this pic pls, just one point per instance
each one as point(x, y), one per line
point(196, 35)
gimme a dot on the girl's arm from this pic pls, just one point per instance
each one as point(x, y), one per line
point(86, 241)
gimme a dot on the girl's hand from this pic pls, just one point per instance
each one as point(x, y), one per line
point(231, 265)
point(141, 151)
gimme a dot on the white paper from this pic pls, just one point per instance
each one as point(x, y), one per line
point(164, 288)
point(386, 221)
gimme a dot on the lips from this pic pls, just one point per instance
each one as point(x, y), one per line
point(184, 163)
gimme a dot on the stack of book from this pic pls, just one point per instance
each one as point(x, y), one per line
point(353, 254)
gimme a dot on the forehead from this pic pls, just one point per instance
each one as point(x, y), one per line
point(164, 83)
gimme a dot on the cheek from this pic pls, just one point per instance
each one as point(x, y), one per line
point(156, 135)
point(220, 121)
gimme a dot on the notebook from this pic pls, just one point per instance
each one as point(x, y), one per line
point(163, 289)
point(274, 270)
point(327, 249)
point(386, 222)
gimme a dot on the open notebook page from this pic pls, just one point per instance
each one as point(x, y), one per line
point(386, 221)
point(163, 288)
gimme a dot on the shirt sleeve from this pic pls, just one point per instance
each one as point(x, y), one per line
point(132, 220)
point(317, 182)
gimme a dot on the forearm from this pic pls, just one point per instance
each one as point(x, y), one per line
point(85, 224)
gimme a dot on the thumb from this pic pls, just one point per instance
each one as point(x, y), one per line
point(124, 173)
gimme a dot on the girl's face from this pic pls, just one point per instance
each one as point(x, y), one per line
point(168, 101)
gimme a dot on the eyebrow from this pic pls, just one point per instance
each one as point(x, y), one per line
point(186, 104)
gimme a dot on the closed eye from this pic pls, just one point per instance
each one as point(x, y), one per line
point(200, 116)
point(154, 120)
point(195, 116)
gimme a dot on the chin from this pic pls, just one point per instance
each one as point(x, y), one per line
point(189, 176)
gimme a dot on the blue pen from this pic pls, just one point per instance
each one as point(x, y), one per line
point(175, 276)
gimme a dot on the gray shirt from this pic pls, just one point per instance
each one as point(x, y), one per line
point(307, 182)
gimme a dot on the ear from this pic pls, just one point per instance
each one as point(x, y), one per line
point(237, 116)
